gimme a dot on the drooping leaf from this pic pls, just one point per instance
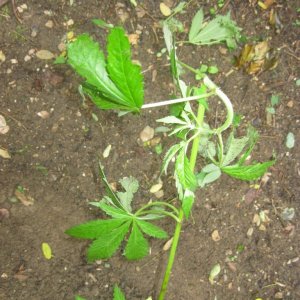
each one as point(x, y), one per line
point(169, 155)
point(137, 246)
point(253, 137)
point(171, 120)
point(152, 230)
point(196, 24)
point(116, 85)
point(125, 74)
point(107, 244)
point(111, 194)
point(95, 228)
point(187, 202)
point(118, 294)
point(220, 29)
point(184, 172)
point(88, 61)
point(131, 185)
point(208, 174)
point(234, 148)
point(251, 172)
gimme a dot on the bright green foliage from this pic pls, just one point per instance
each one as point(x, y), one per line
point(118, 294)
point(115, 84)
point(220, 29)
point(79, 298)
point(107, 235)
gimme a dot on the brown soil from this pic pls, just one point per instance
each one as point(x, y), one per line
point(55, 161)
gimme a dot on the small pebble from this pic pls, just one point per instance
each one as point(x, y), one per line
point(31, 51)
point(49, 24)
point(27, 58)
point(8, 71)
point(290, 104)
point(14, 61)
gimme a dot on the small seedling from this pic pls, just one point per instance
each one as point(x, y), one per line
point(274, 102)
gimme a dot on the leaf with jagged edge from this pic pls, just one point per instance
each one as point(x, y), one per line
point(126, 75)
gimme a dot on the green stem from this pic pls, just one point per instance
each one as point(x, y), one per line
point(161, 212)
point(195, 146)
point(157, 203)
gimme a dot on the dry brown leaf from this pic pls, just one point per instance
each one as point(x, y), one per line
point(168, 244)
point(44, 54)
point(26, 200)
point(164, 9)
point(265, 4)
point(155, 188)
point(4, 153)
point(133, 38)
point(4, 128)
point(215, 236)
point(232, 266)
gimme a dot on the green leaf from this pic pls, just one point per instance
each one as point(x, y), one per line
point(187, 202)
point(169, 155)
point(212, 70)
point(184, 172)
point(152, 230)
point(137, 246)
point(60, 60)
point(102, 24)
point(126, 75)
point(275, 100)
point(234, 148)
point(251, 172)
point(210, 176)
point(131, 185)
point(196, 25)
point(88, 61)
point(114, 212)
point(112, 196)
point(118, 294)
point(107, 244)
point(171, 120)
point(79, 298)
point(94, 229)
point(220, 29)
point(46, 249)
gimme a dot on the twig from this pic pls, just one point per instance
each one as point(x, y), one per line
point(9, 116)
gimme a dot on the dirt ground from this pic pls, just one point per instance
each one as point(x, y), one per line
point(54, 142)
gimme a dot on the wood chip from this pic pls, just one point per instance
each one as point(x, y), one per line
point(168, 244)
point(26, 200)
point(215, 236)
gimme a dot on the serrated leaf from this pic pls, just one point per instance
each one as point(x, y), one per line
point(114, 212)
point(46, 249)
point(169, 155)
point(220, 29)
point(235, 148)
point(118, 294)
point(88, 61)
point(184, 172)
point(95, 228)
point(137, 246)
point(196, 25)
point(112, 196)
point(251, 172)
point(187, 202)
point(125, 74)
point(206, 178)
point(171, 120)
point(131, 185)
point(107, 244)
point(152, 230)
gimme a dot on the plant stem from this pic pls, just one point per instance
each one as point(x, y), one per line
point(179, 100)
point(195, 146)
point(157, 203)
